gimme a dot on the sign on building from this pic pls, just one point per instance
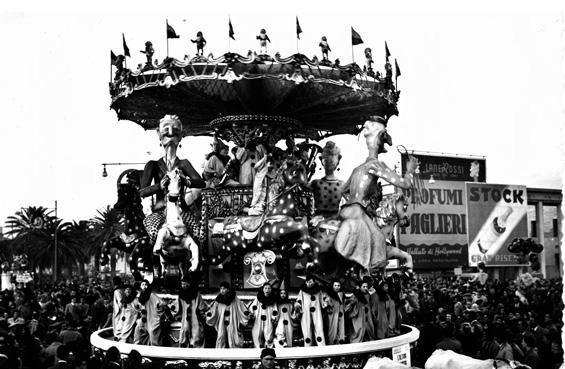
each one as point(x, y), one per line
point(496, 215)
point(437, 235)
point(450, 168)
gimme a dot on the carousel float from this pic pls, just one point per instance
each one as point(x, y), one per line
point(254, 220)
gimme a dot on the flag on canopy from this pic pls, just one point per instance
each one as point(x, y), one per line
point(387, 51)
point(397, 68)
point(231, 33)
point(113, 58)
point(171, 31)
point(355, 37)
point(126, 48)
point(298, 29)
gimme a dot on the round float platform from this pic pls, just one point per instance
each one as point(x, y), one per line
point(103, 340)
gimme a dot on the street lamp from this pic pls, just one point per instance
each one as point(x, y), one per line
point(105, 172)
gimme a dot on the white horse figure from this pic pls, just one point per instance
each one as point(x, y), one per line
point(173, 242)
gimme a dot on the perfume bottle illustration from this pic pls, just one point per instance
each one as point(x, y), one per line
point(496, 228)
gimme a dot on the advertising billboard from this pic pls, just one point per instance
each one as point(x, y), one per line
point(437, 235)
point(496, 214)
point(450, 168)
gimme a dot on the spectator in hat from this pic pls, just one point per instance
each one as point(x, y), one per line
point(531, 355)
point(268, 358)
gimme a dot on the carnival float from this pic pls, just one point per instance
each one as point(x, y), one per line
point(294, 259)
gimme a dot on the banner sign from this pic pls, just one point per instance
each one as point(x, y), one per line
point(449, 168)
point(437, 235)
point(496, 214)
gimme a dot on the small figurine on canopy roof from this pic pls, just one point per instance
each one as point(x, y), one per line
point(325, 47)
point(263, 38)
point(200, 42)
point(149, 51)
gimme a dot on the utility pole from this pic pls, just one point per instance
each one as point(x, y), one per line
point(55, 239)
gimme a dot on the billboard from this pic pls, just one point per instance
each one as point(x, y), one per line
point(450, 168)
point(496, 214)
point(437, 235)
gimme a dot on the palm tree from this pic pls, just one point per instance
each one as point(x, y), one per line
point(33, 232)
point(106, 225)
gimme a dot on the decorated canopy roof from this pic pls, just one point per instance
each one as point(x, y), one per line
point(315, 98)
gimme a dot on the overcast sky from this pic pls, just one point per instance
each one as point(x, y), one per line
point(485, 81)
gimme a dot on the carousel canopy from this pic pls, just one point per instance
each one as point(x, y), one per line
point(311, 98)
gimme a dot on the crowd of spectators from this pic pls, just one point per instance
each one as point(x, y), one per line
point(501, 319)
point(49, 325)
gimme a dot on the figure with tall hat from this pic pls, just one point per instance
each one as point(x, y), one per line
point(309, 305)
point(192, 309)
point(149, 51)
point(200, 42)
point(358, 238)
point(215, 164)
point(263, 38)
point(265, 312)
point(287, 318)
point(334, 313)
point(227, 315)
point(325, 46)
point(155, 180)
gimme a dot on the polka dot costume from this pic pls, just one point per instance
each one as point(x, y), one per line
point(327, 195)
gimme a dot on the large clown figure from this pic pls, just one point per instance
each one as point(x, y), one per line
point(155, 179)
point(358, 238)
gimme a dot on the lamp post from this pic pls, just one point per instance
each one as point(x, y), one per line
point(105, 173)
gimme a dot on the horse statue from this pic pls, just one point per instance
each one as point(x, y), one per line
point(282, 227)
point(133, 240)
point(173, 243)
point(390, 212)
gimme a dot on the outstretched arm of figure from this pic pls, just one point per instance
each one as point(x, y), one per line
point(267, 38)
point(381, 170)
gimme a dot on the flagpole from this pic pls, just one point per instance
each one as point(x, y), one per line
point(229, 38)
point(167, 35)
point(111, 66)
point(125, 56)
point(352, 55)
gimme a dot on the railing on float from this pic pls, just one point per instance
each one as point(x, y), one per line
point(103, 340)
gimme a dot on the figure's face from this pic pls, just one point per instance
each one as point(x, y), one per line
point(330, 163)
point(223, 291)
point(267, 289)
point(144, 285)
point(170, 132)
point(184, 285)
point(283, 294)
point(128, 292)
point(310, 283)
point(337, 286)
point(364, 287)
point(376, 135)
